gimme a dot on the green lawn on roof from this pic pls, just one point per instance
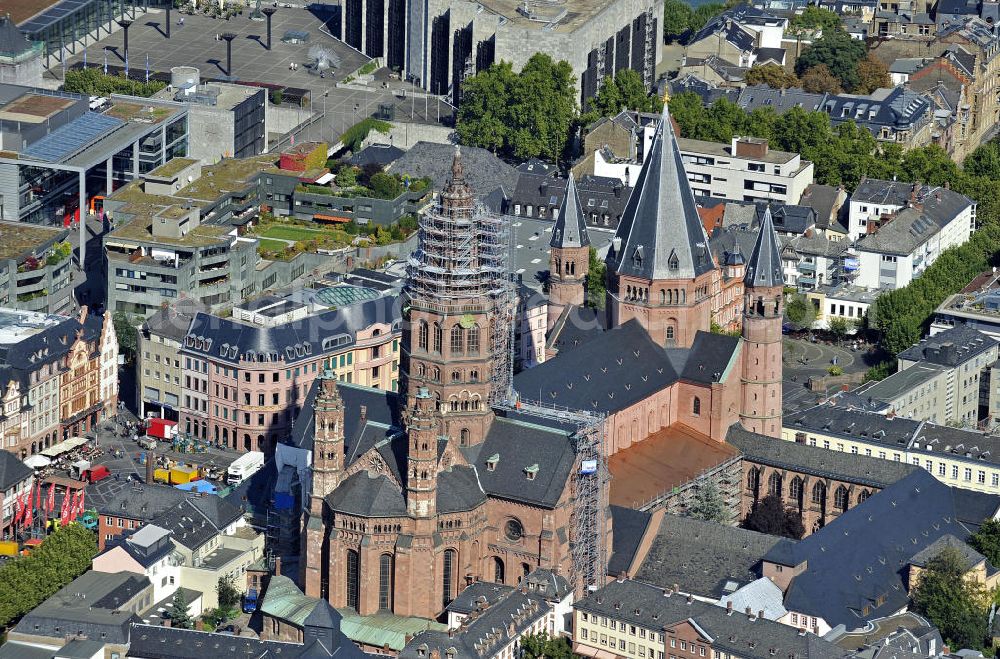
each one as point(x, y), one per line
point(272, 245)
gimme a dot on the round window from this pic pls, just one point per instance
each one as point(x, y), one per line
point(513, 530)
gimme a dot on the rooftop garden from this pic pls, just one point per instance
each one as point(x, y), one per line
point(93, 82)
point(369, 181)
point(284, 238)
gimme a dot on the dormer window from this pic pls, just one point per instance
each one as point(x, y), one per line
point(491, 462)
point(637, 257)
point(673, 262)
point(531, 472)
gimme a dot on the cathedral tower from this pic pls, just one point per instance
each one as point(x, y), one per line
point(660, 268)
point(760, 410)
point(569, 256)
point(422, 457)
point(327, 471)
point(454, 304)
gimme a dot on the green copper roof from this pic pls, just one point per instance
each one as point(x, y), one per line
point(284, 600)
point(384, 629)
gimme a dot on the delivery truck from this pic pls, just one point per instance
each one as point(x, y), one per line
point(243, 467)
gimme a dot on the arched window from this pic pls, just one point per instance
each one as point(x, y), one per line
point(795, 490)
point(498, 571)
point(437, 337)
point(753, 480)
point(457, 340)
point(247, 446)
point(422, 332)
point(696, 406)
point(670, 333)
point(385, 576)
point(456, 376)
point(464, 437)
point(840, 498)
point(863, 496)
point(819, 493)
point(353, 575)
point(525, 570)
point(448, 576)
point(774, 484)
point(472, 341)
point(663, 296)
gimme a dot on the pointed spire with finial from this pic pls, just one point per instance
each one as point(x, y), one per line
point(571, 225)
point(764, 267)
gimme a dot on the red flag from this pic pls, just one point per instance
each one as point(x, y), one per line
point(29, 513)
point(64, 508)
point(51, 503)
point(19, 510)
point(79, 506)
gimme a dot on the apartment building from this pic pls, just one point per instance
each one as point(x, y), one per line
point(16, 478)
point(900, 229)
point(36, 268)
point(159, 368)
point(943, 379)
point(746, 169)
point(59, 375)
point(960, 458)
point(243, 385)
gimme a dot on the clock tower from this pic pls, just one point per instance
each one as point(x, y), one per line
point(453, 308)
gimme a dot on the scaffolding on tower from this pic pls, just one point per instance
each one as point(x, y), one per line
point(590, 483)
point(462, 266)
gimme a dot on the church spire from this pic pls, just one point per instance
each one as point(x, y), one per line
point(660, 235)
point(764, 267)
point(571, 225)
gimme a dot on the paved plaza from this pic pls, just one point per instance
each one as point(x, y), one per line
point(194, 44)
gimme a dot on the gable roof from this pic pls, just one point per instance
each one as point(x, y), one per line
point(660, 234)
point(12, 470)
point(571, 225)
point(763, 270)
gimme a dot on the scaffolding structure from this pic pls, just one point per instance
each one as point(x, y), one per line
point(462, 266)
point(590, 482)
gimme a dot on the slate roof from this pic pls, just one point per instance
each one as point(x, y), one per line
point(174, 321)
point(64, 612)
point(368, 495)
point(856, 424)
point(133, 500)
point(707, 91)
point(759, 595)
point(483, 592)
point(899, 109)
point(709, 359)
point(816, 461)
point(376, 154)
point(629, 527)
point(231, 341)
point(381, 417)
point(857, 560)
point(154, 642)
point(598, 195)
point(951, 347)
point(484, 172)
point(196, 520)
point(823, 199)
point(787, 218)
point(702, 557)
point(660, 233)
point(610, 372)
point(969, 555)
point(763, 270)
point(779, 100)
point(735, 634)
point(520, 444)
point(571, 225)
point(12, 471)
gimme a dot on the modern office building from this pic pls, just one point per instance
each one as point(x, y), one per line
point(439, 43)
point(20, 58)
point(36, 271)
point(57, 156)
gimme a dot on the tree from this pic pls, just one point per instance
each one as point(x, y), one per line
point(177, 611)
point(596, 274)
point(987, 540)
point(839, 52)
point(127, 335)
point(626, 91)
point(677, 16)
point(385, 186)
point(704, 14)
point(872, 75)
point(229, 594)
point(93, 82)
point(537, 646)
point(772, 75)
point(814, 18)
point(953, 603)
point(708, 504)
point(770, 516)
point(819, 80)
point(524, 115)
point(838, 327)
point(347, 177)
point(800, 311)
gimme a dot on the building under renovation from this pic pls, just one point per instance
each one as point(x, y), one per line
point(467, 474)
point(438, 43)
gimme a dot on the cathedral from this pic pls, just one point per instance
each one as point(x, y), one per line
point(417, 494)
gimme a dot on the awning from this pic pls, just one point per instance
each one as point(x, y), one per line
point(596, 653)
point(37, 461)
point(64, 446)
point(331, 218)
point(324, 179)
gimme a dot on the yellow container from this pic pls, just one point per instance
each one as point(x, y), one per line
point(183, 474)
point(161, 475)
point(8, 548)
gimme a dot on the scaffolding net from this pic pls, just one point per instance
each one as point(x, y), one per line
point(590, 482)
point(462, 266)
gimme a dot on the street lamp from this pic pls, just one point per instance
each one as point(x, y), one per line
point(229, 36)
point(269, 12)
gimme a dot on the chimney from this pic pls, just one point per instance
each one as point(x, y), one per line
point(677, 588)
point(760, 614)
point(277, 566)
point(150, 466)
point(451, 632)
point(945, 650)
point(690, 598)
point(199, 625)
point(802, 631)
point(166, 622)
point(83, 313)
point(749, 612)
point(729, 608)
point(364, 413)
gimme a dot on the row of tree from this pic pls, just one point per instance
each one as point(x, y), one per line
point(534, 113)
point(679, 18)
point(27, 581)
point(93, 82)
